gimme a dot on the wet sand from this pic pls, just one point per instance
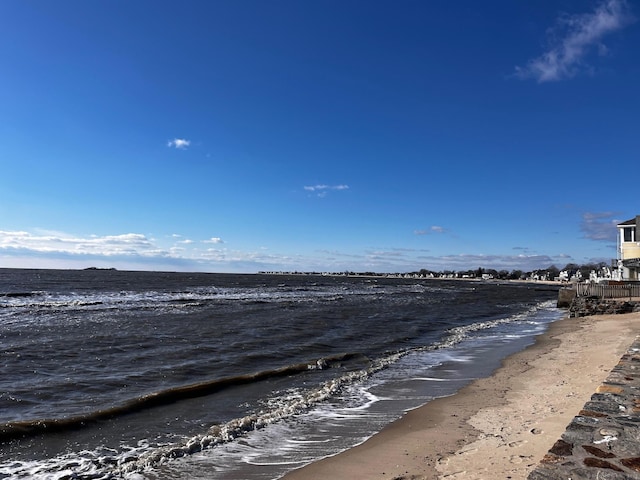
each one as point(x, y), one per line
point(498, 427)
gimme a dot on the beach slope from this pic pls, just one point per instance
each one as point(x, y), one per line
point(496, 427)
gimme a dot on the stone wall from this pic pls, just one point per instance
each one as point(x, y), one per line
point(585, 306)
point(603, 441)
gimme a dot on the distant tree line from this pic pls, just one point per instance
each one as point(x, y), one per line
point(549, 273)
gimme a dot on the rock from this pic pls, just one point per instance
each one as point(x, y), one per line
point(565, 297)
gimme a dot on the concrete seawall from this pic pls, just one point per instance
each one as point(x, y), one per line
point(565, 297)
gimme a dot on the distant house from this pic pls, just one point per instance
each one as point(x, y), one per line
point(629, 249)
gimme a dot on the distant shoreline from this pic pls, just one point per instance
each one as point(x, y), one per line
point(413, 277)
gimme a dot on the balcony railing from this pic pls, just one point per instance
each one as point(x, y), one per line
point(627, 290)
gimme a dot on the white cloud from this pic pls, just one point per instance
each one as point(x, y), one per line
point(134, 251)
point(573, 38)
point(126, 244)
point(214, 240)
point(321, 190)
point(179, 143)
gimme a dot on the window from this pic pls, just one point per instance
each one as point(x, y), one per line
point(627, 235)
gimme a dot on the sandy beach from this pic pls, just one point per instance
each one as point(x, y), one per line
point(498, 427)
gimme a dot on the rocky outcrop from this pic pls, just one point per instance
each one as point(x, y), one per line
point(586, 306)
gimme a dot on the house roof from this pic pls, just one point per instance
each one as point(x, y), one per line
point(628, 222)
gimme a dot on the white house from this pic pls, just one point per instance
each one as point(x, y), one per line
point(629, 249)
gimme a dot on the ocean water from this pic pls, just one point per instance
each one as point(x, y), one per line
point(148, 375)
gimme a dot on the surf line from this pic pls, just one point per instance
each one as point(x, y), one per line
point(30, 428)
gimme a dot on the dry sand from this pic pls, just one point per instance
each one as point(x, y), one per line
point(498, 427)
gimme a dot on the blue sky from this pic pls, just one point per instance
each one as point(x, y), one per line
point(239, 136)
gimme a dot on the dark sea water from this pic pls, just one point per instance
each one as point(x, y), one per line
point(147, 375)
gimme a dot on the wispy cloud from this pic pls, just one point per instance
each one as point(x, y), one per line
point(498, 262)
point(392, 260)
point(431, 229)
point(321, 190)
point(600, 226)
point(573, 38)
point(179, 143)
